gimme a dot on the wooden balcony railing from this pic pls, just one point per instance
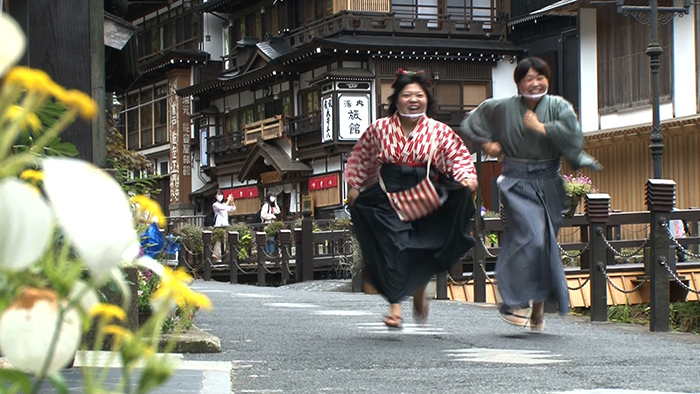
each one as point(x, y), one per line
point(266, 129)
point(362, 5)
point(470, 23)
point(303, 124)
point(225, 143)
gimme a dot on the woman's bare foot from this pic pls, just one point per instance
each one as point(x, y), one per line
point(537, 316)
point(421, 305)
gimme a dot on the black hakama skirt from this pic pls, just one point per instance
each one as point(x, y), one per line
point(402, 256)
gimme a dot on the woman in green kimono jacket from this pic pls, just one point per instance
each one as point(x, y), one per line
point(533, 131)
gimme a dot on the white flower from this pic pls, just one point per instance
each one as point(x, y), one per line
point(93, 212)
point(27, 329)
point(26, 225)
point(13, 42)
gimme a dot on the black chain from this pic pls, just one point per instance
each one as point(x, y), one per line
point(581, 286)
point(486, 248)
point(675, 276)
point(621, 290)
point(678, 245)
point(570, 254)
point(620, 254)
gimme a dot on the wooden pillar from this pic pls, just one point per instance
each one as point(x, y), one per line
point(67, 42)
point(598, 212)
point(233, 257)
point(661, 194)
point(206, 239)
point(285, 241)
point(307, 244)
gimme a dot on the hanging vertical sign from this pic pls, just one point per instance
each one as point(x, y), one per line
point(327, 121)
point(353, 115)
point(203, 157)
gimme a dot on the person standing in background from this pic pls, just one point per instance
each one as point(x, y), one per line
point(268, 214)
point(270, 209)
point(221, 212)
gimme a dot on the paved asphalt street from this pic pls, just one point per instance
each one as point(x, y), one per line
point(318, 337)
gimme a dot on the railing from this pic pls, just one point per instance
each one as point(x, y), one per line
point(362, 5)
point(265, 129)
point(301, 254)
point(303, 124)
point(408, 22)
point(225, 143)
point(598, 250)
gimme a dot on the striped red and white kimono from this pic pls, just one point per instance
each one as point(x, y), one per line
point(401, 256)
point(385, 142)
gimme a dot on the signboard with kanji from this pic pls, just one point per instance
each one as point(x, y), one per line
point(353, 115)
point(327, 120)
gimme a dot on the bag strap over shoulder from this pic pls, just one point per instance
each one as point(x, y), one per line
point(431, 150)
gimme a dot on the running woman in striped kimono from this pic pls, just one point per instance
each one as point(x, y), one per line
point(401, 256)
point(533, 131)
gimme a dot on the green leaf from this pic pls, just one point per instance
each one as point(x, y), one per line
point(15, 381)
point(59, 148)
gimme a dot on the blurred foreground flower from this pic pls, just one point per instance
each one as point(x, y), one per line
point(67, 228)
point(28, 328)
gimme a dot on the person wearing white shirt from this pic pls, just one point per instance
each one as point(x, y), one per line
point(221, 212)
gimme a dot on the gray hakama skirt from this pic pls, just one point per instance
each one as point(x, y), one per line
point(402, 256)
point(529, 267)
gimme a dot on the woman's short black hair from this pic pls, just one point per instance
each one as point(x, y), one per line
point(404, 78)
point(528, 63)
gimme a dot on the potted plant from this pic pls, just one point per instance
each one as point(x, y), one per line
point(576, 186)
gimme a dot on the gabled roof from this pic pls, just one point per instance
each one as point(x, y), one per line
point(561, 7)
point(344, 74)
point(176, 58)
point(264, 152)
point(287, 60)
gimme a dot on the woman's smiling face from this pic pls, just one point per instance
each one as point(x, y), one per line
point(533, 83)
point(412, 100)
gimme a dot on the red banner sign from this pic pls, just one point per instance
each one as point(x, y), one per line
point(241, 192)
point(323, 182)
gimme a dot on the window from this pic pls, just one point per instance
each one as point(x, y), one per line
point(164, 168)
point(160, 115)
point(461, 12)
point(146, 114)
point(231, 123)
point(250, 28)
point(310, 102)
point(474, 94)
point(132, 121)
point(623, 65)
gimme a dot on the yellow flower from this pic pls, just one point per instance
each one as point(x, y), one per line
point(174, 285)
point(33, 176)
point(118, 333)
point(27, 119)
point(149, 209)
point(109, 311)
point(31, 79)
point(81, 102)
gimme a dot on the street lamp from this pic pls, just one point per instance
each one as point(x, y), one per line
point(652, 15)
